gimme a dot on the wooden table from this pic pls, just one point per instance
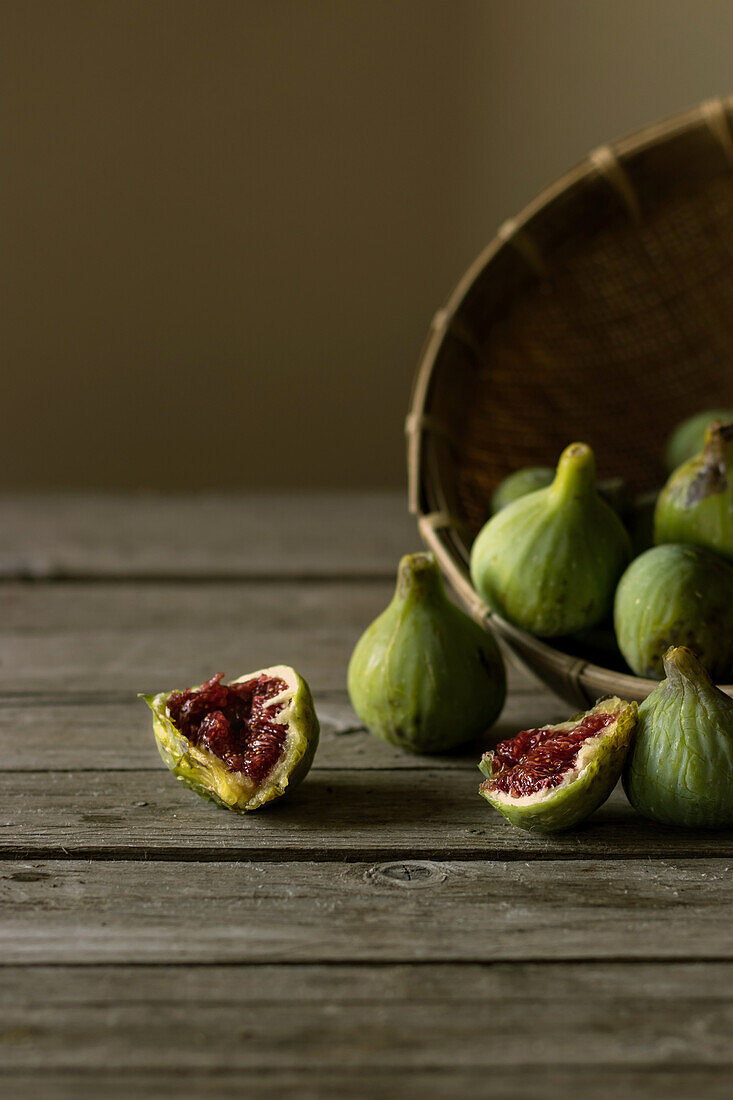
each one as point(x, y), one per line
point(383, 935)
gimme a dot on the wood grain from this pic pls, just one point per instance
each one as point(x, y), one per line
point(313, 1018)
point(206, 535)
point(337, 814)
point(384, 933)
point(408, 911)
point(126, 638)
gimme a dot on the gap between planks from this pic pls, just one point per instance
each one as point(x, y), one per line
point(195, 579)
point(718, 962)
point(190, 536)
point(446, 1082)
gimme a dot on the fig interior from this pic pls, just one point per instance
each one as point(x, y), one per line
point(235, 722)
point(539, 758)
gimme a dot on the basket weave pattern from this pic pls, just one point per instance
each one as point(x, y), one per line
point(603, 313)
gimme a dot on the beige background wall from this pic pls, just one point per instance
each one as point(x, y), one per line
point(226, 225)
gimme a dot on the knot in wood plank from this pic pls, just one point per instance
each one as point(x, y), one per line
point(412, 874)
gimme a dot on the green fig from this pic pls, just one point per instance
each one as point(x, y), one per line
point(520, 483)
point(688, 437)
point(676, 594)
point(516, 485)
point(549, 562)
point(552, 778)
point(696, 504)
point(240, 744)
point(424, 676)
point(680, 769)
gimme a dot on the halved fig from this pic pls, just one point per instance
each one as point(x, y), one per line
point(551, 778)
point(240, 744)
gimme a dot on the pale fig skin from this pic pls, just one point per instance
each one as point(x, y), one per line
point(688, 437)
point(572, 802)
point(673, 595)
point(206, 775)
point(680, 769)
point(549, 562)
point(696, 504)
point(424, 676)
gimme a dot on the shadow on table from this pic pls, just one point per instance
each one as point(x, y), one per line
point(377, 799)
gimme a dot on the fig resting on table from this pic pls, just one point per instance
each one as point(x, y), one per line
point(241, 744)
point(680, 769)
point(551, 778)
point(423, 675)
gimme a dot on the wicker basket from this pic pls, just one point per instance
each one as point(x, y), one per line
point(603, 312)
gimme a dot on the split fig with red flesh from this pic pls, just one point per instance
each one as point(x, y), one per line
point(240, 744)
point(551, 778)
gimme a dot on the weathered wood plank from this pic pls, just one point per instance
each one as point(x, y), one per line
point(118, 638)
point(391, 986)
point(226, 913)
point(336, 814)
point(405, 1017)
point(204, 535)
point(148, 637)
point(100, 732)
point(602, 1082)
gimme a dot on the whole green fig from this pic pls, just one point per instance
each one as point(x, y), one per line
point(680, 769)
point(520, 483)
point(424, 676)
point(549, 562)
point(688, 437)
point(696, 504)
point(675, 595)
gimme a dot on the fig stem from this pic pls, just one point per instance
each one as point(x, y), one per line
point(418, 574)
point(718, 447)
point(576, 472)
point(682, 666)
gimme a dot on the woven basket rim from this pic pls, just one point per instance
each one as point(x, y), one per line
point(440, 531)
point(620, 149)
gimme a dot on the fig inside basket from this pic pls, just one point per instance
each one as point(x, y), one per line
point(602, 313)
